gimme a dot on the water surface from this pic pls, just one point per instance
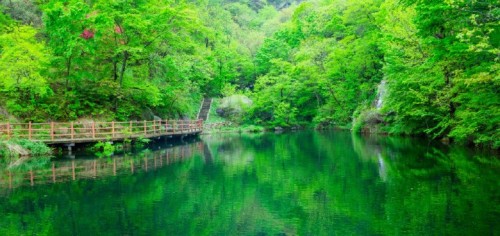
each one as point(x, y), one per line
point(302, 183)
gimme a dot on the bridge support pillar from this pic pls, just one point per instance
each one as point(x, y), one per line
point(70, 147)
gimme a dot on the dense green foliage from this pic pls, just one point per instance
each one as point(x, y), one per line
point(443, 69)
point(439, 60)
point(15, 148)
point(321, 66)
point(65, 60)
point(317, 62)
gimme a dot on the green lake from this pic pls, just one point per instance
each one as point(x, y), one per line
point(297, 183)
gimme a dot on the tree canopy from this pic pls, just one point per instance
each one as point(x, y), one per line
point(316, 63)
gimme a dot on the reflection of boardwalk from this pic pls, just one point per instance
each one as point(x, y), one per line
point(88, 132)
point(96, 168)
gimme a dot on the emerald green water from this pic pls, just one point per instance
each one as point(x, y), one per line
point(303, 183)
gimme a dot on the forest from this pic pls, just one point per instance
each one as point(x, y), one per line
point(422, 68)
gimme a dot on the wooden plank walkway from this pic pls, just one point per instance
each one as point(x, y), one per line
point(89, 132)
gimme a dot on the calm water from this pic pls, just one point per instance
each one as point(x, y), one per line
point(304, 183)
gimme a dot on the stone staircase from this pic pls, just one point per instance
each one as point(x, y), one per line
point(205, 109)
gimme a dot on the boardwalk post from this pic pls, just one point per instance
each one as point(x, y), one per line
point(173, 126)
point(159, 125)
point(166, 126)
point(145, 128)
point(113, 129)
point(29, 130)
point(93, 129)
point(51, 130)
point(154, 126)
point(8, 130)
point(72, 131)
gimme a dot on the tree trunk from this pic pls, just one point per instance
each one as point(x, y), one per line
point(334, 97)
point(318, 101)
point(115, 70)
point(124, 66)
point(68, 71)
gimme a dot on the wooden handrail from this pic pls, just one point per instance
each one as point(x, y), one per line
point(61, 132)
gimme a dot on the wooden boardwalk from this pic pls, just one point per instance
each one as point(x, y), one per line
point(89, 132)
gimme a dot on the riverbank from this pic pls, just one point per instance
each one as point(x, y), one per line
point(23, 154)
point(23, 148)
point(230, 128)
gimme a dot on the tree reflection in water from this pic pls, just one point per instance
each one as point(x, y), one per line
point(302, 183)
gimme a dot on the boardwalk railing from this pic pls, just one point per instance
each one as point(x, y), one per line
point(78, 132)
